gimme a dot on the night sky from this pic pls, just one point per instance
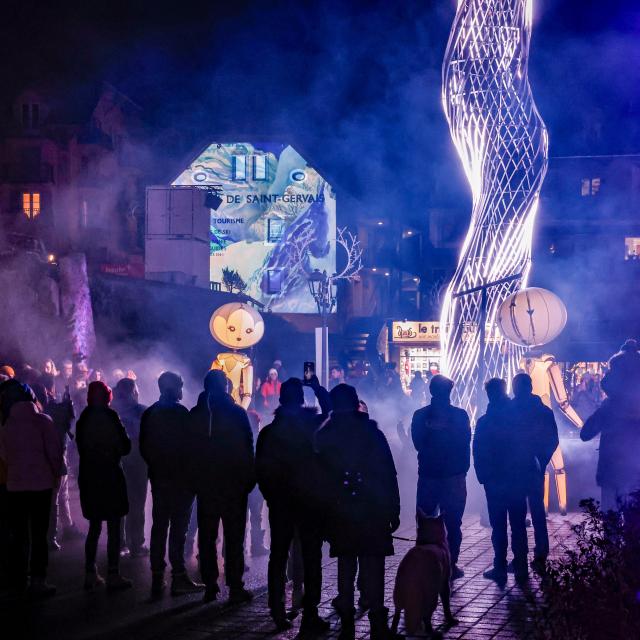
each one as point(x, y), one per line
point(354, 85)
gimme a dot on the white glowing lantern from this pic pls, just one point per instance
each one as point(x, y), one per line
point(531, 317)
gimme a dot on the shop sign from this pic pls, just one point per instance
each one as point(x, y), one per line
point(416, 332)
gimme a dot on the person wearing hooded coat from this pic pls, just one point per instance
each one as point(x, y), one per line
point(362, 506)
point(102, 441)
point(503, 459)
point(224, 475)
point(617, 422)
point(284, 468)
point(441, 434)
point(531, 418)
point(31, 450)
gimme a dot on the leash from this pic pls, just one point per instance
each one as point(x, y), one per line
point(403, 539)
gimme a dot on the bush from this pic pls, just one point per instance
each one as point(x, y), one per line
point(593, 591)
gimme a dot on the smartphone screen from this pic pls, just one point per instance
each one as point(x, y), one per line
point(309, 370)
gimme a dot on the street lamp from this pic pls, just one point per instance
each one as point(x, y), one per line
point(323, 289)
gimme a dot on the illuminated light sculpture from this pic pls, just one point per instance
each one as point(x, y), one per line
point(503, 145)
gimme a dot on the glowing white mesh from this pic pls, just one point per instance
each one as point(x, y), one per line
point(503, 145)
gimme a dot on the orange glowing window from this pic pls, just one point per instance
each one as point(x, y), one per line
point(31, 204)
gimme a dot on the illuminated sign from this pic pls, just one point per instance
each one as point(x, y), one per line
point(273, 220)
point(430, 332)
point(415, 332)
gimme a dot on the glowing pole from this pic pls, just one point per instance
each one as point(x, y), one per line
point(503, 145)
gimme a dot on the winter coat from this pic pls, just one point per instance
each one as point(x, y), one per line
point(131, 414)
point(223, 462)
point(619, 428)
point(102, 441)
point(164, 444)
point(285, 458)
point(359, 488)
point(535, 421)
point(270, 393)
point(442, 437)
point(62, 414)
point(502, 454)
point(31, 448)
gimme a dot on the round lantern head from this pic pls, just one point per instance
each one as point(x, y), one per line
point(236, 325)
point(531, 317)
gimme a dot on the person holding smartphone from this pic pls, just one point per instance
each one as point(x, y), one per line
point(284, 467)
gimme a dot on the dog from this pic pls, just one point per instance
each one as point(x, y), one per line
point(423, 575)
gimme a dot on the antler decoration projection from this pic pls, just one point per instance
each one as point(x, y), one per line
point(503, 145)
point(350, 243)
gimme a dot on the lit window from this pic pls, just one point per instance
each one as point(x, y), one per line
point(275, 229)
point(589, 186)
point(632, 248)
point(259, 167)
point(239, 168)
point(274, 281)
point(31, 204)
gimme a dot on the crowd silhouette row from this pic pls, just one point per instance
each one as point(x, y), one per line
point(326, 473)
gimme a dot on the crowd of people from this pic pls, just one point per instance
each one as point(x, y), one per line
point(326, 473)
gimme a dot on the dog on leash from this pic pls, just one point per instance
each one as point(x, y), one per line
point(423, 575)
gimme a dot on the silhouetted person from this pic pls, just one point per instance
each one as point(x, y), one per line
point(256, 500)
point(617, 422)
point(224, 475)
point(360, 491)
point(418, 389)
point(164, 446)
point(623, 378)
point(102, 442)
point(31, 450)
point(442, 437)
point(536, 423)
point(125, 402)
point(63, 414)
point(284, 467)
point(503, 459)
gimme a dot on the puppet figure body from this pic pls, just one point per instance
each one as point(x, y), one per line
point(547, 379)
point(238, 368)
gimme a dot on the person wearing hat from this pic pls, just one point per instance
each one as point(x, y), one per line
point(31, 452)
point(270, 391)
point(441, 434)
point(284, 468)
point(224, 475)
point(102, 441)
point(362, 502)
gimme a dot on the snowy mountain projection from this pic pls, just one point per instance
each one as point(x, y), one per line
point(273, 204)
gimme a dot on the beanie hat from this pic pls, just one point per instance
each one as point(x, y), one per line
point(292, 392)
point(344, 397)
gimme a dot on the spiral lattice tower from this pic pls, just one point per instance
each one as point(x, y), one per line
point(503, 144)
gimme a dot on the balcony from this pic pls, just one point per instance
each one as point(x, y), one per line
point(17, 173)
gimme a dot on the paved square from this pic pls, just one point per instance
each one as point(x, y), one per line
point(484, 610)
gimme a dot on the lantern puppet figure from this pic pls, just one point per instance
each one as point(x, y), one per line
point(238, 326)
point(532, 317)
point(547, 378)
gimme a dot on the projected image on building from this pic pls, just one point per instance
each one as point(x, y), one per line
point(273, 220)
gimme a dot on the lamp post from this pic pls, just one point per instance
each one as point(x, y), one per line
point(323, 289)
